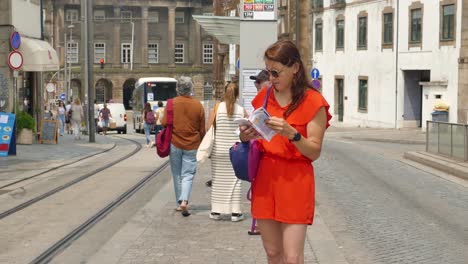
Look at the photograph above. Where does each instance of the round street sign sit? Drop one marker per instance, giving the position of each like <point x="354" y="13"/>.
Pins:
<point x="315" y="73"/>
<point x="15" y="40"/>
<point x="50" y="87"/>
<point x="62" y="97"/>
<point x="15" y="60"/>
<point x="316" y="84"/>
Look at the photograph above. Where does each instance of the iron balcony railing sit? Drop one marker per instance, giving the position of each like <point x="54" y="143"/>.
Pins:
<point x="447" y="139"/>
<point x="317" y="4"/>
<point x="337" y="3"/>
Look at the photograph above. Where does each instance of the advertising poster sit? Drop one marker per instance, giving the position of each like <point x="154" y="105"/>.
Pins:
<point x="7" y="137"/>
<point x="258" y="10"/>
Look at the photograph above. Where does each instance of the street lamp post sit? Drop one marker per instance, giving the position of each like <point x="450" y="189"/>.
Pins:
<point x="133" y="36"/>
<point x="71" y="26"/>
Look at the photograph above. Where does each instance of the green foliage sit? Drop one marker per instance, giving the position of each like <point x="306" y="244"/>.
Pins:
<point x="25" y="120"/>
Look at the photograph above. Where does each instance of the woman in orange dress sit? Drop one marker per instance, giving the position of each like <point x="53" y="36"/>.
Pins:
<point x="283" y="191"/>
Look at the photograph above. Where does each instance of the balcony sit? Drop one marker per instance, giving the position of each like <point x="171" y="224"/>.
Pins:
<point x="317" y="5"/>
<point x="337" y="4"/>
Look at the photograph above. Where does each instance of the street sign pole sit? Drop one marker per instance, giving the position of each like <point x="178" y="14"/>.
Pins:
<point x="90" y="64"/>
<point x="15" y="91"/>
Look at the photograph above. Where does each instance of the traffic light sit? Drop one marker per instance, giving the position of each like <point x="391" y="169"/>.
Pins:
<point x="101" y="61"/>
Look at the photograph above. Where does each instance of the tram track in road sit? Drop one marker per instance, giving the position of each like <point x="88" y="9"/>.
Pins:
<point x="67" y="240"/>
<point x="62" y="187"/>
<point x="55" y="168"/>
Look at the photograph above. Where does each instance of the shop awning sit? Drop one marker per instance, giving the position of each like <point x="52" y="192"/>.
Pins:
<point x="225" y="29"/>
<point x="38" y="56"/>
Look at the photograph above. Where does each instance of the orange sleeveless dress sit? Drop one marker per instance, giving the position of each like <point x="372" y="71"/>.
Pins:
<point x="284" y="188"/>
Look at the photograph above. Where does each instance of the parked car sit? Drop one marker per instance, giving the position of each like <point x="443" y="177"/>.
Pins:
<point x="118" y="121"/>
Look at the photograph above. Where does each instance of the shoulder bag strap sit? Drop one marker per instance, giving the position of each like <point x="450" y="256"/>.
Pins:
<point x="170" y="113"/>
<point x="265" y="100"/>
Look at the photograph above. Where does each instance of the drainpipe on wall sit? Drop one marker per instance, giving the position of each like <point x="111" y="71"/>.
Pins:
<point x="396" y="60"/>
<point x="42" y="20"/>
<point x="297" y="23"/>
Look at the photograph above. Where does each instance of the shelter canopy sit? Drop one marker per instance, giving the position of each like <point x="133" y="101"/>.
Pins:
<point x="225" y="29"/>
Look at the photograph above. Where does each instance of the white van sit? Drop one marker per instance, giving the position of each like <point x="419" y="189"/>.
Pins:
<point x="119" y="116"/>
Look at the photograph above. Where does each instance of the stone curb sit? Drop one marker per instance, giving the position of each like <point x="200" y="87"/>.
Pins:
<point x="453" y="167"/>
<point x="387" y="140"/>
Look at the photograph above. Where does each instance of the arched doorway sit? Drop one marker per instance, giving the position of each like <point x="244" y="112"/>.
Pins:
<point x="75" y="89"/>
<point x="128" y="87"/>
<point x="103" y="91"/>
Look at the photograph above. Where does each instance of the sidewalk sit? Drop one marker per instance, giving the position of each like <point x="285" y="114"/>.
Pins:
<point x="35" y="158"/>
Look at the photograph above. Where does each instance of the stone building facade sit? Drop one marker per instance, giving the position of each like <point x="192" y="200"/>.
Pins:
<point x="134" y="39"/>
<point x="388" y="63"/>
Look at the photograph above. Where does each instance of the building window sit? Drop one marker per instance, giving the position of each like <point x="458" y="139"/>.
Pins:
<point x="448" y="22"/>
<point x="207" y="91"/>
<point x="363" y="95"/>
<point x="71" y="15"/>
<point x="126" y="16"/>
<point x="362" y="39"/>
<point x="179" y="53"/>
<point x="153" y="53"/>
<point x="72" y="52"/>
<point x="153" y="17"/>
<point x="99" y="52"/>
<point x="317" y="4"/>
<point x="339" y="34"/>
<point x="388" y="29"/>
<point x="100" y="97"/>
<point x="318" y="36"/>
<point x="126" y="53"/>
<point x="416" y="25"/>
<point x="208" y="53"/>
<point x="99" y="15"/>
<point x="179" y="17"/>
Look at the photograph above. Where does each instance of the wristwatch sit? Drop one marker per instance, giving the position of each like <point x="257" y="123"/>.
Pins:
<point x="296" y="137"/>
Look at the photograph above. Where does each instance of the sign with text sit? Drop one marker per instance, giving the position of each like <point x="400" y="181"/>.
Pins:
<point x="249" y="91"/>
<point x="7" y="134"/>
<point x="258" y="10"/>
<point x="48" y="131"/>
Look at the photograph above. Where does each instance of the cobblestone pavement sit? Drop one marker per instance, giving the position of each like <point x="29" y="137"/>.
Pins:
<point x="170" y="238"/>
<point x="383" y="211"/>
<point x="379" y="210"/>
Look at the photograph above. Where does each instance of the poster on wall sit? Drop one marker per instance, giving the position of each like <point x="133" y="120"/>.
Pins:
<point x="258" y="10"/>
<point x="249" y="91"/>
<point x="7" y="134"/>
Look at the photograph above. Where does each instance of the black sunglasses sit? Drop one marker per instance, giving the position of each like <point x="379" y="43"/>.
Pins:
<point x="274" y="73"/>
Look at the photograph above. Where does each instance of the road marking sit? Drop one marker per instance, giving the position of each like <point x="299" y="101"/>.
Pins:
<point x="341" y="141"/>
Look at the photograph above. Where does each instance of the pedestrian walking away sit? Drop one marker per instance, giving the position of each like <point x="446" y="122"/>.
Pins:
<point x="61" y="111"/>
<point x="76" y="117"/>
<point x="159" y="116"/>
<point x="68" y="115"/>
<point x="299" y="116"/>
<point x="149" y="122"/>
<point x="226" y="191"/>
<point x="187" y="131"/>
<point x="96" y="115"/>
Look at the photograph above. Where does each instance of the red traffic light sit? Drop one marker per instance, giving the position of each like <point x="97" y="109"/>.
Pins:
<point x="101" y="61"/>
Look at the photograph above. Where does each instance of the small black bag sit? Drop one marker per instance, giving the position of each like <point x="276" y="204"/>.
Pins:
<point x="68" y="116"/>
